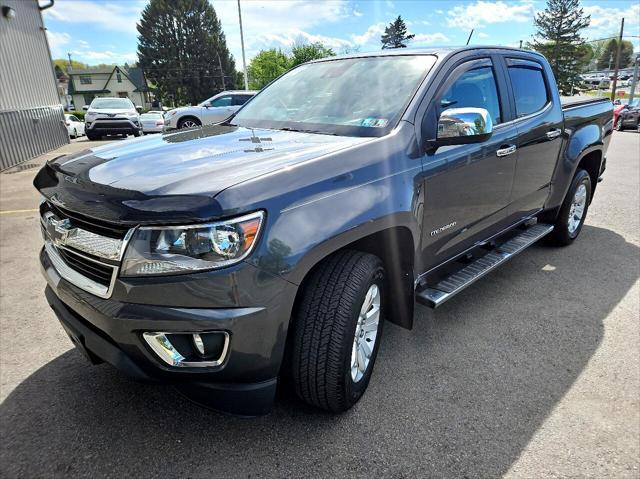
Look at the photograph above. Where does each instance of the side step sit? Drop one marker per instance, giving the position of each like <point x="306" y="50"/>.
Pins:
<point x="433" y="296"/>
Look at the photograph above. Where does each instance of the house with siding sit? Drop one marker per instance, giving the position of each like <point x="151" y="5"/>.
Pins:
<point x="124" y="82"/>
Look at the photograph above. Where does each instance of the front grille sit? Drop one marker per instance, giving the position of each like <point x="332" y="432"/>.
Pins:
<point x="95" y="271"/>
<point x="105" y="228"/>
<point x="112" y="125"/>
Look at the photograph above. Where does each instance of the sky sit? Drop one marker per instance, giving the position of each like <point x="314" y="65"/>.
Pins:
<point x="104" y="31"/>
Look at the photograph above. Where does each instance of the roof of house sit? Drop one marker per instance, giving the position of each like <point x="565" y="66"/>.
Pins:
<point x="134" y="74"/>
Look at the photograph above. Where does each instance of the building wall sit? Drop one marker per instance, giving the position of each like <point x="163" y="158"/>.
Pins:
<point x="31" y="116"/>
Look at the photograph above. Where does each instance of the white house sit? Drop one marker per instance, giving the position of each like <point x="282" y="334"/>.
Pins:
<point x="124" y="82"/>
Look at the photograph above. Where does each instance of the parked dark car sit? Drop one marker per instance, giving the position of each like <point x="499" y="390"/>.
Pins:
<point x="628" y="116"/>
<point x="276" y="243"/>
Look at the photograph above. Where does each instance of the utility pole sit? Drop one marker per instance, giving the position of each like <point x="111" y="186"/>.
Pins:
<point x="615" y="73"/>
<point x="521" y="44"/>
<point x="70" y="65"/>
<point x="244" y="61"/>
<point x="634" y="80"/>
<point x="468" y="39"/>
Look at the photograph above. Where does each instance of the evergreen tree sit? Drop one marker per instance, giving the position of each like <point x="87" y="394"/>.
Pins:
<point x="607" y="60"/>
<point x="395" y="35"/>
<point x="558" y="38"/>
<point x="183" y="51"/>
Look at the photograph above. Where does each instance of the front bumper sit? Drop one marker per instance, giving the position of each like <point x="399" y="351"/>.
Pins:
<point x="116" y="126"/>
<point x="253" y="307"/>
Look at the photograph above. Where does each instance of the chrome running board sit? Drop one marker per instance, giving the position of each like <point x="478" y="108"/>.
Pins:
<point x="434" y="295"/>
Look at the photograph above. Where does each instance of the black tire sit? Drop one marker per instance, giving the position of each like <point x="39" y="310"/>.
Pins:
<point x="618" y="125"/>
<point x="92" y="137"/>
<point x="183" y="122"/>
<point x="136" y="133"/>
<point x="75" y="134"/>
<point x="562" y="235"/>
<point x="325" y="324"/>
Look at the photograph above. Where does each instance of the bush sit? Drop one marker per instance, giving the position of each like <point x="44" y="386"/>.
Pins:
<point x="78" y="114"/>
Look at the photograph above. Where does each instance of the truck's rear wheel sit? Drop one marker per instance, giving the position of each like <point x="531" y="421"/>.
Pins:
<point x="337" y="327"/>
<point x="574" y="209"/>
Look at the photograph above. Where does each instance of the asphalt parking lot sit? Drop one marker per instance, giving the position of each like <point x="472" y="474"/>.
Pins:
<point x="531" y="372"/>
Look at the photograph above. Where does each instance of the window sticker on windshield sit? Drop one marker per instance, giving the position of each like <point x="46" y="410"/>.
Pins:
<point x="375" y="122"/>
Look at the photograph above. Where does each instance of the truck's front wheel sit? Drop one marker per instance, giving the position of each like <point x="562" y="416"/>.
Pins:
<point x="337" y="326"/>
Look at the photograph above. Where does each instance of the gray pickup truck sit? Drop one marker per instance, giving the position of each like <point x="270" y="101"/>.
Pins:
<point x="274" y="245"/>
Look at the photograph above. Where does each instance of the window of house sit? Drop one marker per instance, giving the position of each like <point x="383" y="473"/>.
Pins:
<point x="119" y="77"/>
<point x="85" y="80"/>
<point x="123" y="94"/>
<point x="529" y="89"/>
<point x="475" y="88"/>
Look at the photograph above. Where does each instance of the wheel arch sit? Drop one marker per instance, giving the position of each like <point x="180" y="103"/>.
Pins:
<point x="188" y="116"/>
<point x="395" y="246"/>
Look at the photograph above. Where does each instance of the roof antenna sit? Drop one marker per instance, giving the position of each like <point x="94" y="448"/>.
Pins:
<point x="469" y="39"/>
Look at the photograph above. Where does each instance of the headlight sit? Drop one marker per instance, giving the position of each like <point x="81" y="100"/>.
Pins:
<point x="170" y="113"/>
<point x="185" y="249"/>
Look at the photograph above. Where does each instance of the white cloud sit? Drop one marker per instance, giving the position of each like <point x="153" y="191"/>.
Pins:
<point x="105" y="56"/>
<point x="483" y="35"/>
<point x="428" y="39"/>
<point x="118" y="16"/>
<point x="481" y="13"/>
<point x="57" y="40"/>
<point x="607" y="20"/>
<point x="273" y="17"/>
<point x="373" y="32"/>
<point x="292" y="37"/>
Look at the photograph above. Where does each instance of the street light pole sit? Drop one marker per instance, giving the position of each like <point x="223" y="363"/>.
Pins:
<point x="615" y="74"/>
<point x="244" y="61"/>
<point x="634" y="81"/>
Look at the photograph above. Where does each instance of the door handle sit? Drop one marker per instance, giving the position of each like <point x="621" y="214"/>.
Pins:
<point x="506" y="151"/>
<point x="553" y="134"/>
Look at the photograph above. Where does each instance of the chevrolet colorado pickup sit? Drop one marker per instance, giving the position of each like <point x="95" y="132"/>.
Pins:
<point x="275" y="244"/>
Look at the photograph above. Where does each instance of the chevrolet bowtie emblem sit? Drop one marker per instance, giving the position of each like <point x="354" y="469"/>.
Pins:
<point x="57" y="230"/>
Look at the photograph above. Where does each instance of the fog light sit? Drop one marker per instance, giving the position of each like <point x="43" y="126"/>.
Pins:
<point x="189" y="350"/>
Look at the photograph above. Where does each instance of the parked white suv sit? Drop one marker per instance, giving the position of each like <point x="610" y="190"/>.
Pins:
<point x="213" y="110"/>
<point x="111" y="116"/>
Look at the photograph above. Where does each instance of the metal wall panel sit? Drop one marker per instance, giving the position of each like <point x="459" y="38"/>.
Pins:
<point x="25" y="134"/>
<point x="31" y="117"/>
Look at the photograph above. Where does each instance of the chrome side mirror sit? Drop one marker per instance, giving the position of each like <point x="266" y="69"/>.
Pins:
<point x="459" y="126"/>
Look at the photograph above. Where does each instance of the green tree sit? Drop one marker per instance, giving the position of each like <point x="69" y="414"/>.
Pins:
<point x="63" y="64"/>
<point x="267" y="65"/>
<point x="396" y="35"/>
<point x="607" y="58"/>
<point x="305" y="52"/>
<point x="183" y="50"/>
<point x="558" y="38"/>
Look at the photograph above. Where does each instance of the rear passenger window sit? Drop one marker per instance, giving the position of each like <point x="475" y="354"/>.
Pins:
<point x="240" y="99"/>
<point x="529" y="89"/>
<point x="474" y="88"/>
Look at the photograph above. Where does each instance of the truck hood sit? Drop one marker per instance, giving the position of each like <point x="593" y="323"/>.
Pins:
<point x="175" y="176"/>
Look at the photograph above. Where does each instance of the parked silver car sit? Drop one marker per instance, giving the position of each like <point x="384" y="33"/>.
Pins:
<point x="152" y="122"/>
<point x="213" y="110"/>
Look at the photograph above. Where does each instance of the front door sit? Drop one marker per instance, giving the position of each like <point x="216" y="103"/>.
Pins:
<point x="466" y="188"/>
<point x="219" y="109"/>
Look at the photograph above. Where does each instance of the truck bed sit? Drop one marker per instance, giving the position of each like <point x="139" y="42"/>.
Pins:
<point x="578" y="100"/>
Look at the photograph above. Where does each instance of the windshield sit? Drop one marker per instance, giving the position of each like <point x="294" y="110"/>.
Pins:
<point x="104" y="103"/>
<point x="353" y="96"/>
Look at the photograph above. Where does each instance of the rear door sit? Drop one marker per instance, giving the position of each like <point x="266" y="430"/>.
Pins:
<point x="466" y="188"/>
<point x="539" y="121"/>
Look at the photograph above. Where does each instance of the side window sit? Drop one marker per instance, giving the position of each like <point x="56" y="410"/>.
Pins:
<point x="529" y="89"/>
<point x="73" y="118"/>
<point x="240" y="99"/>
<point x="222" y="101"/>
<point x="475" y="88"/>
